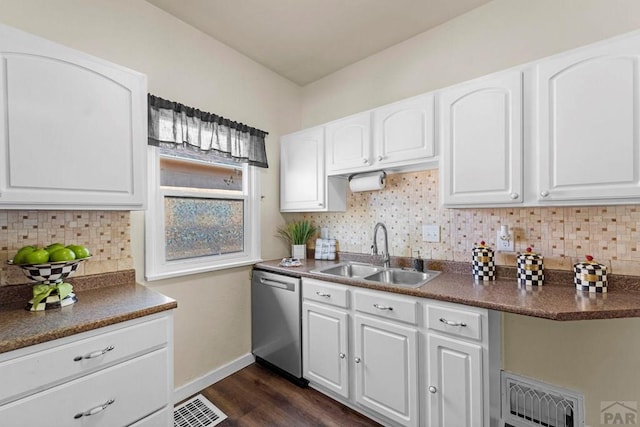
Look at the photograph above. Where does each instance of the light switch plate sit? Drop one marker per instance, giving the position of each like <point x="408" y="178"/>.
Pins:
<point x="430" y="233"/>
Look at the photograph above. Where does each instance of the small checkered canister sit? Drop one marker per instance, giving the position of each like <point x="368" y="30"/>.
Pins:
<point x="590" y="276"/>
<point x="530" y="268"/>
<point x="483" y="264"/>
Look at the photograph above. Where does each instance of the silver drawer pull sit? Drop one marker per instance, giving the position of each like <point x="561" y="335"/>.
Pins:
<point x="383" y="307"/>
<point x="95" y="410"/>
<point x="451" y="322"/>
<point x="322" y="294"/>
<point x="93" y="354"/>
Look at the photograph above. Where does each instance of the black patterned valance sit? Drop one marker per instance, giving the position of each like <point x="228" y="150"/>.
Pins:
<point x="172" y="124"/>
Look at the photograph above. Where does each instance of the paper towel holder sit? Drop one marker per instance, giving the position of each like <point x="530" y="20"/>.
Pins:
<point x="383" y="175"/>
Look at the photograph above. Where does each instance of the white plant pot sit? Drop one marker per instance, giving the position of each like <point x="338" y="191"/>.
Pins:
<point x="299" y="251"/>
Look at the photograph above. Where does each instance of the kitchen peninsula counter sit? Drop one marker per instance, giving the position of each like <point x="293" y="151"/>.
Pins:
<point x="103" y="299"/>
<point x="556" y="301"/>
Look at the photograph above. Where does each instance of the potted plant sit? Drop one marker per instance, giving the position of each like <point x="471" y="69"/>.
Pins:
<point x="297" y="233"/>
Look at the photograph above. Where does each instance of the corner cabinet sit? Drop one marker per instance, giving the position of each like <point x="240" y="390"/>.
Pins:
<point x="481" y="131"/>
<point x="304" y="185"/>
<point x="73" y="128"/>
<point x="402" y="360"/>
<point x="113" y="376"/>
<point x="589" y="116"/>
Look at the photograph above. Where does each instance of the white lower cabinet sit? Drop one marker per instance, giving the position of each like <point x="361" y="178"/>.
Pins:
<point x="113" y="376"/>
<point x="454" y="375"/>
<point x="386" y="369"/>
<point x="402" y="360"/>
<point x="326" y="347"/>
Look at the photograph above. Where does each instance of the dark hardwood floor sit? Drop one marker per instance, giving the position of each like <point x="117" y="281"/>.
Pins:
<point x="255" y="396"/>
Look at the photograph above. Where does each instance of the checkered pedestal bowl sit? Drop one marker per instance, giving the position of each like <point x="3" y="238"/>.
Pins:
<point x="51" y="273"/>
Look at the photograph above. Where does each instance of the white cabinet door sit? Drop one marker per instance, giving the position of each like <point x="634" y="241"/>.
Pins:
<point x="481" y="131"/>
<point x="304" y="186"/>
<point x="454" y="382"/>
<point x="325" y="347"/>
<point x="589" y="116"/>
<point x="73" y="128"/>
<point x="386" y="363"/>
<point x="349" y="144"/>
<point x="404" y="132"/>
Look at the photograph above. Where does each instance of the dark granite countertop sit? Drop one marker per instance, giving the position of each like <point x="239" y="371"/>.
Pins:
<point x="557" y="299"/>
<point x="103" y="299"/>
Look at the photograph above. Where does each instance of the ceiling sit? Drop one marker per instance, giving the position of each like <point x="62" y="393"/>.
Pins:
<point x="305" y="40"/>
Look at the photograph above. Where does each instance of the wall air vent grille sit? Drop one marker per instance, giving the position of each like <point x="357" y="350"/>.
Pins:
<point x="530" y="403"/>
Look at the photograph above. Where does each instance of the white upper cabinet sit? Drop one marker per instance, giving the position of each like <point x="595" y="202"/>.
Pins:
<point x="405" y="131"/>
<point x="73" y="128"/>
<point x="481" y="132"/>
<point x="304" y="185"/>
<point x="349" y="144"/>
<point x="398" y="136"/>
<point x="588" y="122"/>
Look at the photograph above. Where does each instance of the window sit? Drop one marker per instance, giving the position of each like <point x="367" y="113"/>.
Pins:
<point x="202" y="216"/>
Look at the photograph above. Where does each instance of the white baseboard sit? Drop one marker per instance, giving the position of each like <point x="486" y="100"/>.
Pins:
<point x="197" y="385"/>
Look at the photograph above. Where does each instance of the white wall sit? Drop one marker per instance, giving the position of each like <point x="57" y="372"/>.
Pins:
<point x="598" y="358"/>
<point x="212" y="322"/>
<point x="498" y="35"/>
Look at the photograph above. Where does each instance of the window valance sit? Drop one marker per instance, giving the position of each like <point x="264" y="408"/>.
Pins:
<point x="172" y="124"/>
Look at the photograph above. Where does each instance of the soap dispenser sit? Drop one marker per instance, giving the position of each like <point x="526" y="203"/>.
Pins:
<point x="418" y="263"/>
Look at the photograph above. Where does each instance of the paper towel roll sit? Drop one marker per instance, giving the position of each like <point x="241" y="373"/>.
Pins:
<point x="367" y="183"/>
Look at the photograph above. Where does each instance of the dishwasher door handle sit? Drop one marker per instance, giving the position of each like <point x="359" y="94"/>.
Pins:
<point x="277" y="284"/>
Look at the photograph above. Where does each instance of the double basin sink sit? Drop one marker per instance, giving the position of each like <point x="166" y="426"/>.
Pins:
<point x="374" y="273"/>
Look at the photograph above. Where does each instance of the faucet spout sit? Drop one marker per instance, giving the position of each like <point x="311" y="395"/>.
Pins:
<point x="386" y="260"/>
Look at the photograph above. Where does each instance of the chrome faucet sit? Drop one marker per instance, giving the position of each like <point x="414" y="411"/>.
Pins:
<point x="386" y="260"/>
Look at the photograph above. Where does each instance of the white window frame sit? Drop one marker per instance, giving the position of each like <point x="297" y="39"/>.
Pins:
<point x="156" y="265"/>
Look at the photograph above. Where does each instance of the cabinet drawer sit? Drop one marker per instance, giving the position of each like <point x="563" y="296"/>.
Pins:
<point x="62" y="363"/>
<point x="387" y="306"/>
<point x="461" y="322"/>
<point x="327" y="293"/>
<point x="137" y="387"/>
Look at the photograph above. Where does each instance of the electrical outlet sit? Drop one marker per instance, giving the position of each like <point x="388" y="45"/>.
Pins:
<point x="505" y="245"/>
<point x="430" y="233"/>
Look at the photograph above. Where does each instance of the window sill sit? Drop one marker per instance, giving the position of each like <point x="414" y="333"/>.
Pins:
<point x="198" y="270"/>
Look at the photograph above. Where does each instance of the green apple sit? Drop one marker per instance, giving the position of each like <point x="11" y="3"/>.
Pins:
<point x="39" y="256"/>
<point x="19" y="257"/>
<point x="62" y="254"/>
<point x="80" y="251"/>
<point x="53" y="247"/>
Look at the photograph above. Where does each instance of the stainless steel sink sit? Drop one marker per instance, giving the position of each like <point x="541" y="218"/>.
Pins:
<point x="350" y="269"/>
<point x="378" y="274"/>
<point x="402" y="277"/>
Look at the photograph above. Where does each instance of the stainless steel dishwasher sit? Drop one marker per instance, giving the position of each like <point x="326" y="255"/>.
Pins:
<point x="276" y="331"/>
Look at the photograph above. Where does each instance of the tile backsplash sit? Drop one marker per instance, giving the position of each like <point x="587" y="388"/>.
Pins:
<point x="105" y="233"/>
<point x="563" y="235"/>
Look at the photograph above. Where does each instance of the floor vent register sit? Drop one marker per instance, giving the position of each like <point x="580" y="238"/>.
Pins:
<point x="197" y="412"/>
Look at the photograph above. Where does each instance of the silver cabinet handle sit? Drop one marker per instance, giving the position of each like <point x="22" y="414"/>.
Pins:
<point x="451" y="322"/>
<point x="95" y="410"/>
<point x="93" y="354"/>
<point x="432" y="389"/>
<point x="514" y="195"/>
<point x="365" y="161"/>
<point x="544" y="193"/>
<point x="380" y="158"/>
<point x="383" y="307"/>
<point x="322" y="294"/>
<point x="357" y="360"/>
<point x="342" y="355"/>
